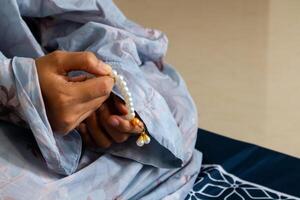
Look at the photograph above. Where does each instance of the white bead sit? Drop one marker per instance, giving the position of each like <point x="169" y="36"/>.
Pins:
<point x="128" y="95"/>
<point x="131" y="110"/>
<point x="128" y="99"/>
<point x="130" y="116"/>
<point x="114" y="73"/>
<point x="140" y="141"/>
<point x="121" y="78"/>
<point x="125" y="89"/>
<point x="147" y="139"/>
<point x="130" y="104"/>
<point x="122" y="86"/>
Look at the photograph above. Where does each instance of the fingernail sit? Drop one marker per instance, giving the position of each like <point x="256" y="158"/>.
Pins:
<point x="114" y="122"/>
<point x="106" y="68"/>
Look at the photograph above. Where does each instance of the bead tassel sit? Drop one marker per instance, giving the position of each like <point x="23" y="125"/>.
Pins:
<point x="122" y="86"/>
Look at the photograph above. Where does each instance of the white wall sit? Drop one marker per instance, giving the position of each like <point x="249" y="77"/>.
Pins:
<point x="240" y="59"/>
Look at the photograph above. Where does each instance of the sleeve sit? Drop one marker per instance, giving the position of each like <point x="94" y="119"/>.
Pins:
<point x="127" y="47"/>
<point x="21" y="103"/>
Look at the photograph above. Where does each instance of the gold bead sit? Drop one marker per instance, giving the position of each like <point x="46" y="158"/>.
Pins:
<point x="135" y="121"/>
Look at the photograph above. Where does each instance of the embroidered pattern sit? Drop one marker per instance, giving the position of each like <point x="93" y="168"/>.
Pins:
<point x="214" y="182"/>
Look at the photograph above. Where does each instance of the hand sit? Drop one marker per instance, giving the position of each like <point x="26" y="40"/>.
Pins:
<point x="108" y="125"/>
<point x="69" y="101"/>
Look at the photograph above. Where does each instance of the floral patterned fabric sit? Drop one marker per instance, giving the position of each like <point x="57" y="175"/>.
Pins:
<point x="38" y="164"/>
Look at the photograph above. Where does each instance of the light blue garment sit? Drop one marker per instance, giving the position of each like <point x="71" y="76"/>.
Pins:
<point x="166" y="168"/>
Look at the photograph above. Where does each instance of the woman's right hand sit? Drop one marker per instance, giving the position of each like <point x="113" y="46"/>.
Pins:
<point x="108" y="125"/>
<point x="69" y="102"/>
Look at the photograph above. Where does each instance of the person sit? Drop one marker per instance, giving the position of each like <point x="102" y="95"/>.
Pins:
<point x="55" y="64"/>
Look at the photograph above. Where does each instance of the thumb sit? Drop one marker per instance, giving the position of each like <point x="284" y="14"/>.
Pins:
<point x="84" y="61"/>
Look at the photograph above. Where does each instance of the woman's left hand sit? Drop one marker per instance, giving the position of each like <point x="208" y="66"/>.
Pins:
<point x="68" y="101"/>
<point x="107" y="125"/>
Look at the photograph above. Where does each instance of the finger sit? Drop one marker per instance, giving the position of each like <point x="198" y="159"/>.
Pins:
<point x="104" y="113"/>
<point x="118" y="137"/>
<point x="84" y="110"/>
<point x="120" y="105"/>
<point x="85" y="61"/>
<point x="91" y="89"/>
<point x="85" y="135"/>
<point x="122" y="125"/>
<point x="99" y="137"/>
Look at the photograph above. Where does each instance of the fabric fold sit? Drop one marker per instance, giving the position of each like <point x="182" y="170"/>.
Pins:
<point x="60" y="153"/>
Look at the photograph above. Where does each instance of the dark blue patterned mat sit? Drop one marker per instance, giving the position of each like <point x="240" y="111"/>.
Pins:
<point x="234" y="170"/>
